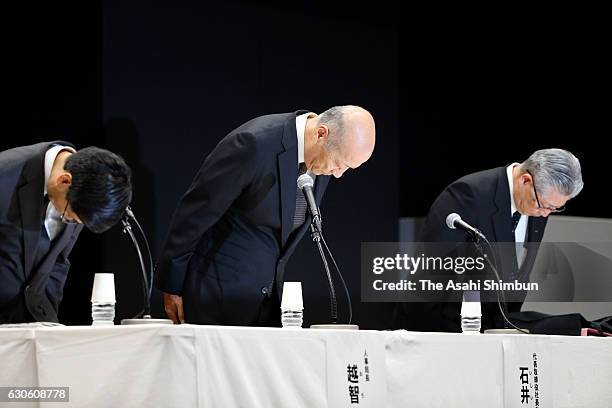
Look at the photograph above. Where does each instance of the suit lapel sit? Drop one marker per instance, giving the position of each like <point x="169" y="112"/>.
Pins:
<point x="59" y="243"/>
<point x="287" y="167"/>
<point x="39" y="279"/>
<point x="535" y="229"/>
<point x="500" y="218"/>
<point x="30" y="205"/>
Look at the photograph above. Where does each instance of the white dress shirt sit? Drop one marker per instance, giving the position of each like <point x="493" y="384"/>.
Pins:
<point x="53" y="221"/>
<point x="521" y="228"/>
<point x="300" y="126"/>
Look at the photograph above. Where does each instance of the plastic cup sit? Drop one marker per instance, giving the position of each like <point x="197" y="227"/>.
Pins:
<point x="103" y="288"/>
<point x="292" y="296"/>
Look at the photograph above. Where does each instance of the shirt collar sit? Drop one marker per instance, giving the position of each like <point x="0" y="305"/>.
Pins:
<point x="511" y="185"/>
<point x="300" y="126"/>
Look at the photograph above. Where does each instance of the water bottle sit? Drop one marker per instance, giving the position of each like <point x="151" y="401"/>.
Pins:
<point x="103" y="299"/>
<point x="470" y="313"/>
<point x="292" y="318"/>
<point x="292" y="306"/>
<point x="102" y="313"/>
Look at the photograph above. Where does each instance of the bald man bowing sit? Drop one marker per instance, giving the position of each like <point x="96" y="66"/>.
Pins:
<point x="235" y="228"/>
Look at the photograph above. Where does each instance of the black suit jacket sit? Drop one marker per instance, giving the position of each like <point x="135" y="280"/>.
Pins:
<point x="483" y="201"/>
<point x="29" y="292"/>
<point x="230" y="236"/>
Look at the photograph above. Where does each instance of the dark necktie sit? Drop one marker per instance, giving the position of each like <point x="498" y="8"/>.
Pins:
<point x="515" y="271"/>
<point x="43" y="242"/>
<point x="515" y="220"/>
<point x="300" y="203"/>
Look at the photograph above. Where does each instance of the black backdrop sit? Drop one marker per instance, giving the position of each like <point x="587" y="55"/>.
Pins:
<point x="161" y="85"/>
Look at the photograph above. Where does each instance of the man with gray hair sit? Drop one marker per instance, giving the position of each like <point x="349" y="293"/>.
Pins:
<point x="235" y="228"/>
<point x="507" y="204"/>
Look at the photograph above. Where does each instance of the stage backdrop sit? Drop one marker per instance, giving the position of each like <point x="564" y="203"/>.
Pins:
<point x="162" y="85"/>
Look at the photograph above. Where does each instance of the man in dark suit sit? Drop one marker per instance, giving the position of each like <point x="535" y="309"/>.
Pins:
<point x="48" y="191"/>
<point x="233" y="231"/>
<point x="508" y="205"/>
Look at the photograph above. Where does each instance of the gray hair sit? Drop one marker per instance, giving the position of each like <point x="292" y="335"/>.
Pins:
<point x="555" y="169"/>
<point x="334" y="119"/>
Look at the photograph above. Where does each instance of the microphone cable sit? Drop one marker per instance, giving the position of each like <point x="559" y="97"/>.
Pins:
<point x="501" y="298"/>
<point x="316" y="233"/>
<point x="317" y="237"/>
<point x="147" y="281"/>
<point x="346" y="291"/>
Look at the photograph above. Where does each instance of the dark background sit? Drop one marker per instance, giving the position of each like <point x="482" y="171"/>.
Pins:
<point x="161" y="85"/>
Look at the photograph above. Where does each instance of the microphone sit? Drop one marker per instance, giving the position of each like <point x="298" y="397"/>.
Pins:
<point x="144" y="316"/>
<point x="454" y="221"/>
<point x="306" y="183"/>
<point x="129" y="212"/>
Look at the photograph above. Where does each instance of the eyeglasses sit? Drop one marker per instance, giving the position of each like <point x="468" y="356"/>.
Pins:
<point x="63" y="216"/>
<point x="551" y="209"/>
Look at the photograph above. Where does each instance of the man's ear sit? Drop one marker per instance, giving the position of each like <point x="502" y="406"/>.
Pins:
<point x="64" y="179"/>
<point x="525" y="178"/>
<point x="322" y="132"/>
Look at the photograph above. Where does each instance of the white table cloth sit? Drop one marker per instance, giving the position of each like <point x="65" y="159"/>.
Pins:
<point x="216" y="366"/>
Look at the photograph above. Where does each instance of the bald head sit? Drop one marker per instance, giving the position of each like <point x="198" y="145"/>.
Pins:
<point x="360" y="133"/>
<point x="344" y="138"/>
<point x="351" y="128"/>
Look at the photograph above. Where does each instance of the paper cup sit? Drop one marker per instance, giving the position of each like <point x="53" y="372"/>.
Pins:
<point x="103" y="288"/>
<point x="292" y="296"/>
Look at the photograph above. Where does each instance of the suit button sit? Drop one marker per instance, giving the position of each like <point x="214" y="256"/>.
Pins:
<point x="264" y="291"/>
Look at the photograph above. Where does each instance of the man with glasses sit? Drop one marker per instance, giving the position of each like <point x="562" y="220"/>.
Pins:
<point x="507" y="204"/>
<point x="48" y="192"/>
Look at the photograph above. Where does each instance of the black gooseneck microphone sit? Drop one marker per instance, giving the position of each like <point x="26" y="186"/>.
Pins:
<point x="306" y="184"/>
<point x="454" y="221"/>
<point x="147" y="277"/>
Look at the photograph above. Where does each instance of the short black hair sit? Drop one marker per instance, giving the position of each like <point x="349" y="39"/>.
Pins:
<point x="101" y="187"/>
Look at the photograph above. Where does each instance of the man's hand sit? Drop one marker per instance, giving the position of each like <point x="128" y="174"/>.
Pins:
<point x="173" y="304"/>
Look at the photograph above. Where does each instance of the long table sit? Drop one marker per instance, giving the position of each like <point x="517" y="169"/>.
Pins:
<point x="220" y="366"/>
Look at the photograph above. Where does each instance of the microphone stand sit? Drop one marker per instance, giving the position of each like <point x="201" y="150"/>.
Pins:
<point x="501" y="298"/>
<point x="316" y="233"/>
<point x="306" y="183"/>
<point x="144" y="316"/>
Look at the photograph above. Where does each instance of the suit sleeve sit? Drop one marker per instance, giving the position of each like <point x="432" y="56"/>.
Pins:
<point x="221" y="179"/>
